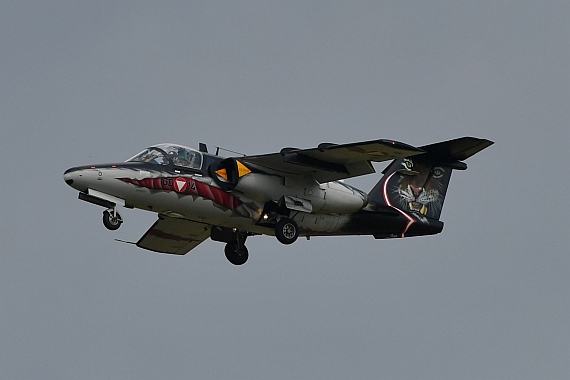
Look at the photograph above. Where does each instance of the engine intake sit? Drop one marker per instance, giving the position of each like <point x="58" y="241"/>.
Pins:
<point x="227" y="173"/>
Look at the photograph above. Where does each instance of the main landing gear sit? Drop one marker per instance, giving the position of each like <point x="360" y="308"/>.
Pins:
<point x="236" y="253"/>
<point x="286" y="231"/>
<point x="112" y="219"/>
<point x="235" y="250"/>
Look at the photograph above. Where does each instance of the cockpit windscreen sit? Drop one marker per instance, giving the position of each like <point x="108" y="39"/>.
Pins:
<point x="165" y="154"/>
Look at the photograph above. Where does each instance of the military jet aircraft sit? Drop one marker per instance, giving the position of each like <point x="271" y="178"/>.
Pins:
<point x="292" y="193"/>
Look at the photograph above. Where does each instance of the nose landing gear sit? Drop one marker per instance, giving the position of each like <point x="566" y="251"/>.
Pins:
<point x="112" y="219"/>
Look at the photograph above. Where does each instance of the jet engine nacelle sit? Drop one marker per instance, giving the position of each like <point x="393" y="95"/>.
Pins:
<point x="332" y="197"/>
<point x="342" y="199"/>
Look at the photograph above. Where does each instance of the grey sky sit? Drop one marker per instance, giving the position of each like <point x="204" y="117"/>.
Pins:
<point x="88" y="82"/>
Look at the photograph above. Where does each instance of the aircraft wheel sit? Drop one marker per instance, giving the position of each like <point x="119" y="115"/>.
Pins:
<point x="112" y="222"/>
<point x="235" y="254"/>
<point x="286" y="231"/>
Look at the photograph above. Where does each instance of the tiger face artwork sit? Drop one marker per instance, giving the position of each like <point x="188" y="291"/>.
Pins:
<point x="420" y="187"/>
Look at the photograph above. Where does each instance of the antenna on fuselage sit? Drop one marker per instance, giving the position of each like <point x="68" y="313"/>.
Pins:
<point x="203" y="148"/>
<point x="227" y="150"/>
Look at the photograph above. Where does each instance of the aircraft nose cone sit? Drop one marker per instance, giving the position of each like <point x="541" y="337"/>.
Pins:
<point x="74" y="178"/>
<point x="68" y="177"/>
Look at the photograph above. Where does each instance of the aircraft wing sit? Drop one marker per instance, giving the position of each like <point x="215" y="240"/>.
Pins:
<point x="173" y="235"/>
<point x="330" y="162"/>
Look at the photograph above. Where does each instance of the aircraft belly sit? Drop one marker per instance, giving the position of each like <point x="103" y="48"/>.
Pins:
<point x="317" y="222"/>
<point x="378" y="224"/>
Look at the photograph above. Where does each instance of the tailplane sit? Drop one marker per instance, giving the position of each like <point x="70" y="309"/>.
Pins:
<point x="418" y="184"/>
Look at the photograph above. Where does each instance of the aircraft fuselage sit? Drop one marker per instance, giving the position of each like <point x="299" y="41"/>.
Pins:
<point x="296" y="192"/>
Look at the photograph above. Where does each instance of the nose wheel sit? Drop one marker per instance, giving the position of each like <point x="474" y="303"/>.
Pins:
<point x="112" y="219"/>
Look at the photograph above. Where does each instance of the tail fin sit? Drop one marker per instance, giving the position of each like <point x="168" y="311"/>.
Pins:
<point x="419" y="184"/>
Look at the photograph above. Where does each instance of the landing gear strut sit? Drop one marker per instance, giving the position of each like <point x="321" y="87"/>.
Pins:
<point x="112" y="219"/>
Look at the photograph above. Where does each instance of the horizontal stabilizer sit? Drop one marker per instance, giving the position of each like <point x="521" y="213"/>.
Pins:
<point x="458" y="149"/>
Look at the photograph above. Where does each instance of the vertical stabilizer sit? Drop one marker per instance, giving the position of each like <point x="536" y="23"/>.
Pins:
<point x="418" y="185"/>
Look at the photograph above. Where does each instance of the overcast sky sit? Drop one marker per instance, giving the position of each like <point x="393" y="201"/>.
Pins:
<point x="92" y="82"/>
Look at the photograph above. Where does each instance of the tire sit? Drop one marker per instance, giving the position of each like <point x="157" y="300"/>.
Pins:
<point x="111" y="222"/>
<point x="286" y="231"/>
<point x="235" y="254"/>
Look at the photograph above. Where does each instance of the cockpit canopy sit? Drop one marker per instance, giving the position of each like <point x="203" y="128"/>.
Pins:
<point x="170" y="154"/>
